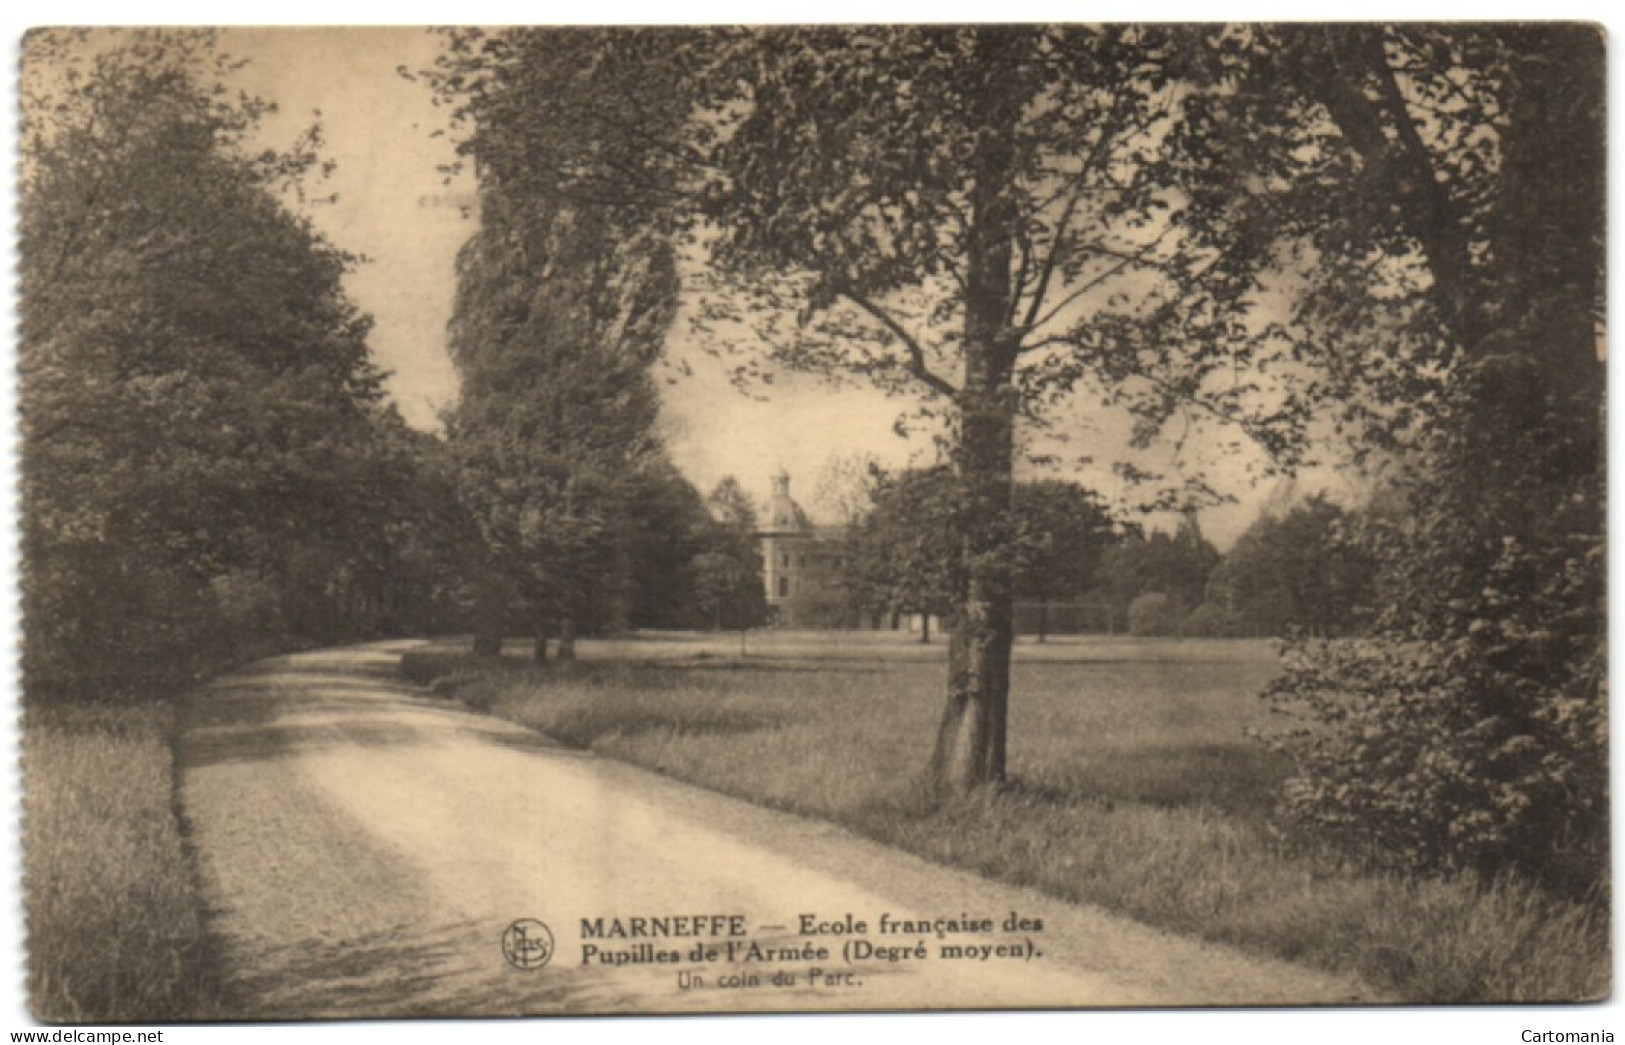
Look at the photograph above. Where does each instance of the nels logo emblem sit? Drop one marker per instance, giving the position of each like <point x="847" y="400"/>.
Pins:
<point x="527" y="944"/>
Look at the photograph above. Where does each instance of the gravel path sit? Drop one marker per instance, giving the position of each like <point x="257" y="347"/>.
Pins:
<point x="363" y="848"/>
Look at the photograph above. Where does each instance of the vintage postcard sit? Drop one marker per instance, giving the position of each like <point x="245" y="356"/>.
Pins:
<point x="556" y="521"/>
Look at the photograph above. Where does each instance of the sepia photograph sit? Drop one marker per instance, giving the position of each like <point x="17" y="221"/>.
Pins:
<point x="864" y="518"/>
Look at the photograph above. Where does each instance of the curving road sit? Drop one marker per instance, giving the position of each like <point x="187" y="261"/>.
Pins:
<point x="363" y="847"/>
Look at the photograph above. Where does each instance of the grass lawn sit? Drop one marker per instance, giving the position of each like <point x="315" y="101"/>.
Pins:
<point x="1133" y="786"/>
<point x="115" y="925"/>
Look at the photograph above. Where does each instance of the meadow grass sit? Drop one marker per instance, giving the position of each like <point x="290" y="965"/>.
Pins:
<point x="1133" y="785"/>
<point x="115" y="922"/>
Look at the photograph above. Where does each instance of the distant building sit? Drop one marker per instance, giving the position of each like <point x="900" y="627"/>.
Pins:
<point x="802" y="565"/>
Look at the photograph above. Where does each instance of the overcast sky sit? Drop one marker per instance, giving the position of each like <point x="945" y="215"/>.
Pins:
<point x="396" y="207"/>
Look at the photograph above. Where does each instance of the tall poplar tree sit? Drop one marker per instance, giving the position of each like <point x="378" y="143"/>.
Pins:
<point x="558" y="319"/>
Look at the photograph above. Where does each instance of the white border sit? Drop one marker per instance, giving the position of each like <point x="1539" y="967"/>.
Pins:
<point x="1324" y="1027"/>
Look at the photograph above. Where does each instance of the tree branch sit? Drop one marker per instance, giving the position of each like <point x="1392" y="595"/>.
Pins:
<point x="1187" y="397"/>
<point x="916" y="365"/>
<point x="1108" y="133"/>
<point x="1401" y="167"/>
<point x="1023" y="273"/>
<point x="1125" y="260"/>
<point x="1048" y="271"/>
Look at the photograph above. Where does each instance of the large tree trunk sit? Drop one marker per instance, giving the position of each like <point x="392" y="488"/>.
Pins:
<point x="621" y="580"/>
<point x="971" y="740"/>
<point x="567" y="639"/>
<point x="490" y="617"/>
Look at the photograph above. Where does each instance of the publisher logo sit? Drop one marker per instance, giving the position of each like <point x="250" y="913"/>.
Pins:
<point x="527" y="944"/>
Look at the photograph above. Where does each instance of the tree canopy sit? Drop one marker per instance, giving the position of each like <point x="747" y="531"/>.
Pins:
<point x="557" y="322"/>
<point x="1447" y="180"/>
<point x="203" y="452"/>
<point x="1243" y="224"/>
<point x="900" y="550"/>
<point x="1175" y="565"/>
<point x="728" y="588"/>
<point x="1305" y="568"/>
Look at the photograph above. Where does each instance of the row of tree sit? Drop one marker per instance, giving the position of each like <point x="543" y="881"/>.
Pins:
<point x="210" y="469"/>
<point x="208" y="464"/>
<point x="1255" y="226"/>
<point x="1302" y="569"/>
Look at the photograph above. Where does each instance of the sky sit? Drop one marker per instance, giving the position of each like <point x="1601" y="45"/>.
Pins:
<point x="394" y="204"/>
<point x="397" y="206"/>
<point x="409" y="218"/>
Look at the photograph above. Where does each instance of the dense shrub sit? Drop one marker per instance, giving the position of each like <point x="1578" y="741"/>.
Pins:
<point x="1210" y="620"/>
<point x="1482" y="750"/>
<point x="1469" y="732"/>
<point x="1155" y="614"/>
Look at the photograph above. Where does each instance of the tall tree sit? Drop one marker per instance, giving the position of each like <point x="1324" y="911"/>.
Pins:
<point x="1063" y="534"/>
<point x="900" y="553"/>
<point x="199" y="413"/>
<point x="1305" y="569"/>
<point x="728" y="585"/>
<point x="731" y="507"/>
<point x="976" y="215"/>
<point x="558" y="319"/>
<point x="1447" y="182"/>
<point x="1176" y="565"/>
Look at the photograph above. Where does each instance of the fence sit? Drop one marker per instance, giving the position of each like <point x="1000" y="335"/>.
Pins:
<point x="1067" y="618"/>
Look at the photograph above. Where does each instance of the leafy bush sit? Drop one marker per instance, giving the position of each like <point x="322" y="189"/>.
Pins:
<point x="426" y="666"/>
<point x="1482" y="750"/>
<point x="1210" y="620"/>
<point x="1155" y="614"/>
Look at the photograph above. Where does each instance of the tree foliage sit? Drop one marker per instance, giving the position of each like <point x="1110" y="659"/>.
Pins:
<point x="1449" y="180"/>
<point x="728" y="589"/>
<point x="557" y="322"/>
<point x="1238" y="223"/>
<point x="1063" y="534"/>
<point x="1306" y="569"/>
<point x="1175" y="565"/>
<point x="900" y="551"/>
<point x="203" y="462"/>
